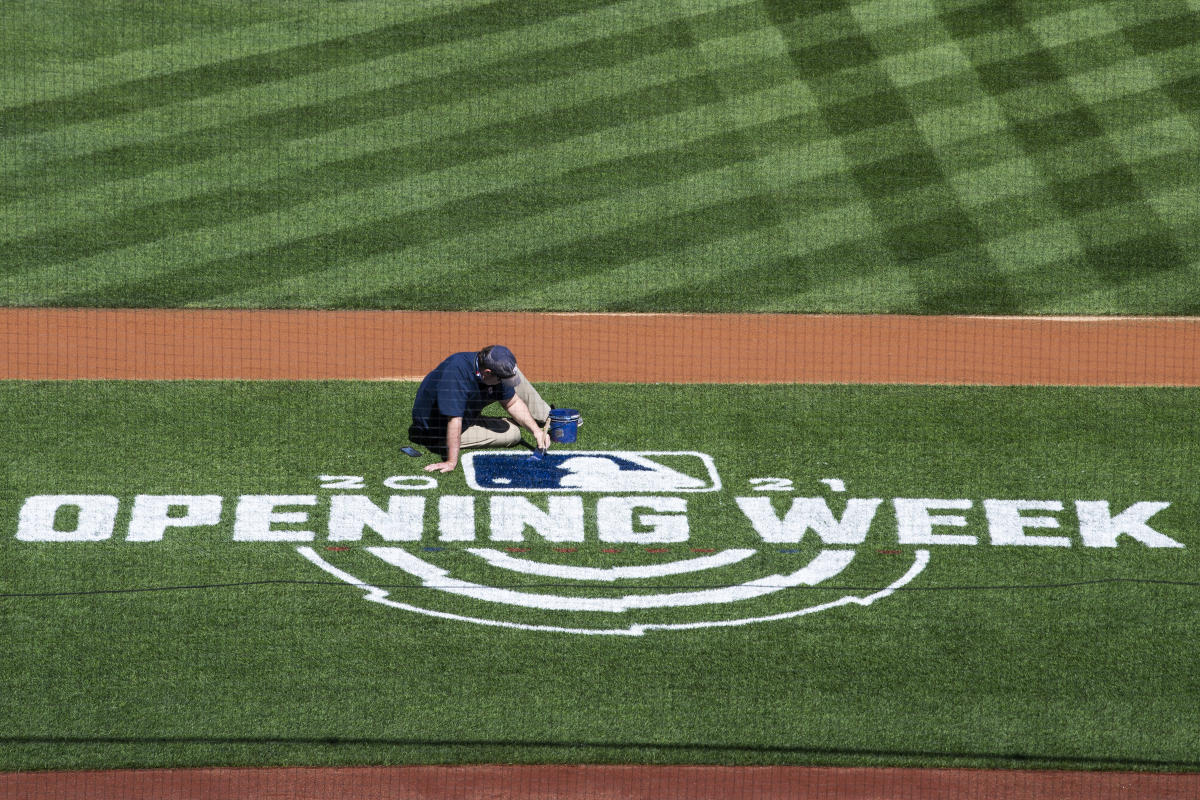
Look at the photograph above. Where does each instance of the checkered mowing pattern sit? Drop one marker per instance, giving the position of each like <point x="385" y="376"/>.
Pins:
<point x="928" y="156"/>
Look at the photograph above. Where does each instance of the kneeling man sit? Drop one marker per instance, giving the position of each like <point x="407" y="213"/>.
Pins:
<point x="447" y="412"/>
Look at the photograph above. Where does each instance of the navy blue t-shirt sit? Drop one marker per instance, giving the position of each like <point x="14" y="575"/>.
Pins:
<point x="454" y="389"/>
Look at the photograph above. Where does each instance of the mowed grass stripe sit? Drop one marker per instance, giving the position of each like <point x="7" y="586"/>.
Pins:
<point x="1015" y="187"/>
<point x="1089" y="156"/>
<point x="514" y="208"/>
<point x="1178" y="86"/>
<point x="1152" y="294"/>
<point x="169" y="253"/>
<point x="337" y="81"/>
<point x="934" y="77"/>
<point x="360" y="115"/>
<point x="429" y="274"/>
<point x="1120" y="243"/>
<point x="976" y="135"/>
<point x="782" y="270"/>
<point x="385" y="139"/>
<point x="301" y="290"/>
<point x="407" y="260"/>
<point x="687" y="272"/>
<point x="235" y="206"/>
<point x="1012" y="197"/>
<point x="245" y="169"/>
<point x="984" y="147"/>
<point x="922" y="201"/>
<point x="937" y="249"/>
<point x="182" y="148"/>
<point x="607" y="238"/>
<point x="312" y="22"/>
<point x="1030" y="239"/>
<point x="997" y="193"/>
<point x="225" y="108"/>
<point x="286" y="63"/>
<point x="1066" y="177"/>
<point x="1149" y="246"/>
<point x="976" y="268"/>
<point x="410" y="256"/>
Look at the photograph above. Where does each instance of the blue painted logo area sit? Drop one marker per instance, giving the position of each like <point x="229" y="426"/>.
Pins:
<point x="612" y="471"/>
<point x="547" y="472"/>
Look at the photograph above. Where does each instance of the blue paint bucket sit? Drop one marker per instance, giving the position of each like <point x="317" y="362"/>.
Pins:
<point x="564" y="424"/>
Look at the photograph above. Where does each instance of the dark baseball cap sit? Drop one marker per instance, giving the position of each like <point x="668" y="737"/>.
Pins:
<point x="501" y="361"/>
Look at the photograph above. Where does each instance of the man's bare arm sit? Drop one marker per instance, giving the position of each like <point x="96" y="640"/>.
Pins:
<point x="453" y="445"/>
<point x="520" y="412"/>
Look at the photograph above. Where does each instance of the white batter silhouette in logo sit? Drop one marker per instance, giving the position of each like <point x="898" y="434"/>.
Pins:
<point x="610" y="471"/>
<point x="599" y="474"/>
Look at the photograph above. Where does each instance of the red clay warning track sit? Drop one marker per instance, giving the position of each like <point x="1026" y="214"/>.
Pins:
<point x="625" y="348"/>
<point x="625" y="782"/>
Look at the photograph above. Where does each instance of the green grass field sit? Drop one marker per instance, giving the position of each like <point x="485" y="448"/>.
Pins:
<point x="199" y="649"/>
<point x="930" y="156"/>
<point x="915" y="156"/>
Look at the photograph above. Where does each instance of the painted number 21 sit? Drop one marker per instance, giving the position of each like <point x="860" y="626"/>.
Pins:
<point x="786" y="485"/>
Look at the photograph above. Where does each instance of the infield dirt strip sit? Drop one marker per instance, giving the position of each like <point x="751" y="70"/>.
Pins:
<point x="605" y="348"/>
<point x="599" y="783"/>
<point x="48" y="344"/>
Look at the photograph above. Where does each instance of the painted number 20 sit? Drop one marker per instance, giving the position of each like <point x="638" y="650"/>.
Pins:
<point x="404" y="482"/>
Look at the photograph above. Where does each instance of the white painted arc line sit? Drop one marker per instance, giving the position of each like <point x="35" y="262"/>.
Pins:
<point x="827" y="564"/>
<point x="342" y="575"/>
<point x="502" y="560"/>
<point x="376" y="595"/>
<point x="920" y="561"/>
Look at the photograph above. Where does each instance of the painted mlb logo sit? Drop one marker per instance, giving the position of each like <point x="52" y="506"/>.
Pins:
<point x="592" y="471"/>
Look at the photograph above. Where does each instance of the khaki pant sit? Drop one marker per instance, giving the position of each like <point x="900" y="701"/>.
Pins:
<point x="501" y="431"/>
